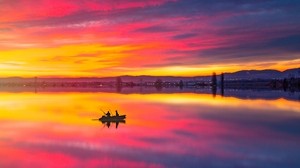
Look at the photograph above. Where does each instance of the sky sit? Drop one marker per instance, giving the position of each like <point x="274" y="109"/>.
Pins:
<point x="97" y="38"/>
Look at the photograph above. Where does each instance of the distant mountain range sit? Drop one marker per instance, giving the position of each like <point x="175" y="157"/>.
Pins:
<point x="239" y="75"/>
<point x="263" y="74"/>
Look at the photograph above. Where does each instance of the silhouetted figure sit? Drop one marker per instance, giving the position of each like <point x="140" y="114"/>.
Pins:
<point x="108" y="114"/>
<point x="117" y="114"/>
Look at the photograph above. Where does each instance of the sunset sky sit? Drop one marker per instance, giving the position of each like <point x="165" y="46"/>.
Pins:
<point x="96" y="38"/>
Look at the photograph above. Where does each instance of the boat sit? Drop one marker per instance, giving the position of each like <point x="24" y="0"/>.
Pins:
<point x="119" y="118"/>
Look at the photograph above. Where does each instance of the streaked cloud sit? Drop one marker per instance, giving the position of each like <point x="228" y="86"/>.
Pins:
<point x="164" y="33"/>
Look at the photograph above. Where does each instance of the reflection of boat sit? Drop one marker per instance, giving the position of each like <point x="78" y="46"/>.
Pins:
<point x="112" y="119"/>
<point x="120" y="118"/>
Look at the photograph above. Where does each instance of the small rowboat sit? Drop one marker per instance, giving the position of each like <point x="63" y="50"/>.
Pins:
<point x="112" y="118"/>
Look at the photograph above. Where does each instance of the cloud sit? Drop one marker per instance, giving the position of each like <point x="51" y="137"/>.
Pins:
<point x="177" y="32"/>
<point x="288" y="43"/>
<point x="5" y="29"/>
<point x="184" y="36"/>
<point x="155" y="29"/>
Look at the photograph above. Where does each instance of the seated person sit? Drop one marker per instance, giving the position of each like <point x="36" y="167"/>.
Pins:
<point x="108" y="114"/>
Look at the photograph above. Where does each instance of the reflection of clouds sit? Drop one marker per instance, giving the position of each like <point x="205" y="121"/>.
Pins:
<point x="145" y="157"/>
<point x="156" y="134"/>
<point x="275" y="120"/>
<point x="186" y="133"/>
<point x="79" y="145"/>
<point x="155" y="140"/>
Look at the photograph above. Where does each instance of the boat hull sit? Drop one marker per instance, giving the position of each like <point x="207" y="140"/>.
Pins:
<point x="113" y="118"/>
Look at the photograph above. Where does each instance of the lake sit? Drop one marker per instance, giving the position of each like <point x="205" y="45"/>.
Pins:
<point x="56" y="129"/>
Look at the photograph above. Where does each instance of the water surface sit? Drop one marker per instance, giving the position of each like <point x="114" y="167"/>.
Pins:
<point x="162" y="130"/>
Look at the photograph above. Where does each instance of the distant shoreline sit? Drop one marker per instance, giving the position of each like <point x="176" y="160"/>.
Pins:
<point x="239" y="75"/>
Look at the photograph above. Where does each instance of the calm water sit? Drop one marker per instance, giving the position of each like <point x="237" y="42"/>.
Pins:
<point x="161" y="130"/>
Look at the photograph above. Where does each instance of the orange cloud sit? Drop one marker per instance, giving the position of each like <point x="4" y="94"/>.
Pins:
<point x="161" y="37"/>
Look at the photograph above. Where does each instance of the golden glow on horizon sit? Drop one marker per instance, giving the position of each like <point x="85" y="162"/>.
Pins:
<point x="94" y="60"/>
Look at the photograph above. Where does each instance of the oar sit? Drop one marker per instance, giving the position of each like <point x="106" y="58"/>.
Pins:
<point x="103" y="111"/>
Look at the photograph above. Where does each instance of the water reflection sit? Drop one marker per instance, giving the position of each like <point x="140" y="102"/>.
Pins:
<point x="246" y="93"/>
<point x="163" y="130"/>
<point x="107" y="123"/>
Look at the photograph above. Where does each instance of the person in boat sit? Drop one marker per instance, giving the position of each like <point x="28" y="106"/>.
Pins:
<point x="117" y="114"/>
<point x="107" y="114"/>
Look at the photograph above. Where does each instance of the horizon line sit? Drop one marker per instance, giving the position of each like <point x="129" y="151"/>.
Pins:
<point x="187" y="76"/>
